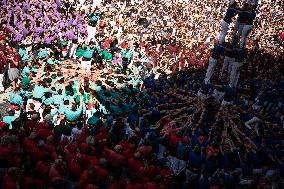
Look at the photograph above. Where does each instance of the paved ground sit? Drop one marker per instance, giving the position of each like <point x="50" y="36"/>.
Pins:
<point x="4" y="105"/>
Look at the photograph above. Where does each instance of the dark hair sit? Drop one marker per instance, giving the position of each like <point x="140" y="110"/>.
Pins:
<point x="66" y="102"/>
<point x="32" y="106"/>
<point x="234" y="4"/>
<point x="11" y="112"/>
<point x="49" y="80"/>
<point x="59" y="74"/>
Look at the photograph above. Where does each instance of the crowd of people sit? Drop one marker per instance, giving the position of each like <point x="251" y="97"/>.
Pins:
<point x="115" y="94"/>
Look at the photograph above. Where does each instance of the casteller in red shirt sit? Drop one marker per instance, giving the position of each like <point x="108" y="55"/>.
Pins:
<point x="134" y="186"/>
<point x="74" y="168"/>
<point x="42" y="169"/>
<point x="153" y="185"/>
<point x="128" y="153"/>
<point x="5" y="155"/>
<point x="29" y="144"/>
<point x="102" y="139"/>
<point x="3" y="64"/>
<point x="44" y="133"/>
<point x="166" y="175"/>
<point x="117" y="184"/>
<point x="174" y="139"/>
<point x="9" y="182"/>
<point x="134" y="165"/>
<point x="149" y="172"/>
<point x="91" y="186"/>
<point x="145" y="151"/>
<point x="115" y="159"/>
<point x="281" y="35"/>
<point x="101" y="173"/>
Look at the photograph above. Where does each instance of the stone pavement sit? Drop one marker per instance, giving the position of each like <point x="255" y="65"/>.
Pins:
<point x="4" y="103"/>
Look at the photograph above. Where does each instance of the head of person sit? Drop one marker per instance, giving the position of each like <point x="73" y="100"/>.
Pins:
<point x="233" y="4"/>
<point x="11" y="113"/>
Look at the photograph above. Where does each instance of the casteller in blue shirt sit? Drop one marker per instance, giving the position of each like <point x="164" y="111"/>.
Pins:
<point x="217" y="51"/>
<point x="240" y="54"/>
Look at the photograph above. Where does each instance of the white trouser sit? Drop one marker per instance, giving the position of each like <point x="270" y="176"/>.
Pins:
<point x="88" y="114"/>
<point x="64" y="53"/>
<point x="252" y="2"/>
<point x="91" y="33"/>
<point x="86" y="65"/>
<point x="162" y="150"/>
<point x="29" y="48"/>
<point x="202" y="96"/>
<point x="177" y="165"/>
<point x="1" y="82"/>
<point x="235" y="73"/>
<point x="81" y="2"/>
<point x="226" y="103"/>
<point x="218" y="96"/>
<point x="255" y="121"/>
<point x="210" y="69"/>
<point x="69" y="46"/>
<point x="96" y="3"/>
<point x="227" y="65"/>
<point x="225" y="27"/>
<point x="238" y="29"/>
<point x="245" y="33"/>
<point x="72" y="50"/>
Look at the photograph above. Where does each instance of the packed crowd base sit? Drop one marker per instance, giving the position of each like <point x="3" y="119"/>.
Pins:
<point x="115" y="94"/>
